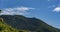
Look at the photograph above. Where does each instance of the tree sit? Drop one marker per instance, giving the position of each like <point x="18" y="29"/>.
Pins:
<point x="1" y="19"/>
<point x="0" y="11"/>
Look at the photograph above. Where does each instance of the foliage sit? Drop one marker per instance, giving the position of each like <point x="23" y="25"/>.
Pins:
<point x="0" y="11"/>
<point x="6" y="28"/>
<point x="21" y="23"/>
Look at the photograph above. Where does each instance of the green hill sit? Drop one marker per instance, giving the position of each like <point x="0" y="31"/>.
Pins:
<point x="6" y="28"/>
<point x="21" y="23"/>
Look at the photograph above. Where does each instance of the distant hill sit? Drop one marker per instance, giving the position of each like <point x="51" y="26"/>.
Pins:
<point x="30" y="24"/>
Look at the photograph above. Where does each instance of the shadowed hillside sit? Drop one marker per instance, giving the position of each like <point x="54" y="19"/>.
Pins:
<point x="6" y="28"/>
<point x="30" y="24"/>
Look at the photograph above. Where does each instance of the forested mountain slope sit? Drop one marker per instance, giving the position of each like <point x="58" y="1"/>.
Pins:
<point x="29" y="24"/>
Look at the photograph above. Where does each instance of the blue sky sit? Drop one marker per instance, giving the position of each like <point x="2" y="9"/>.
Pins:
<point x="46" y="10"/>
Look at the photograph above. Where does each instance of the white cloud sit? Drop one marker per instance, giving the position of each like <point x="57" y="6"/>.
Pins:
<point x="23" y="8"/>
<point x="57" y="9"/>
<point x="16" y="11"/>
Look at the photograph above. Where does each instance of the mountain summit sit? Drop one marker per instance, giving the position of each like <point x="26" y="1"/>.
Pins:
<point x="31" y="24"/>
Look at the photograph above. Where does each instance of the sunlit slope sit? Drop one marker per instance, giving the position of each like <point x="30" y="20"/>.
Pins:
<point x="6" y="28"/>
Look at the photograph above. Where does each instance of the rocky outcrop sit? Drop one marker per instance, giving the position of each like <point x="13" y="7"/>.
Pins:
<point x="1" y="19"/>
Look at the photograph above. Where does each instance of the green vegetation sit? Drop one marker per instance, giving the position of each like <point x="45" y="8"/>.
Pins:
<point x="0" y="11"/>
<point x="6" y="28"/>
<point x="18" y="23"/>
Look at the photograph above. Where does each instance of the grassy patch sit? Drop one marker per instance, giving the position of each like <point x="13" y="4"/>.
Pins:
<point x="6" y="28"/>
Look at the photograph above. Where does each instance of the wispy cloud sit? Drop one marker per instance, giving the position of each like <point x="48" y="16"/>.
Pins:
<point x="51" y="0"/>
<point x="51" y="6"/>
<point x="48" y="0"/>
<point x="16" y="11"/>
<point x="57" y="9"/>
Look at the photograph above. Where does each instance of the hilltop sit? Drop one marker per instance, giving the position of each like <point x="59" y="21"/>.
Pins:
<point x="20" y="22"/>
